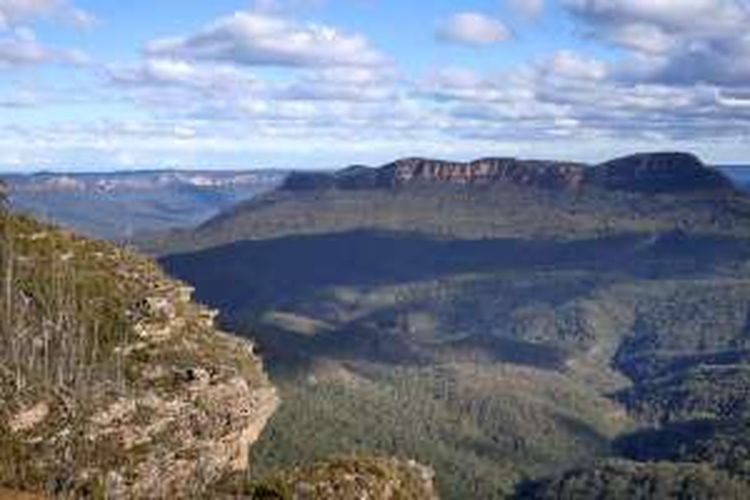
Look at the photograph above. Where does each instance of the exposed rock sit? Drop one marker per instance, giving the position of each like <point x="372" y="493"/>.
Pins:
<point x="153" y="402"/>
<point x="356" y="478"/>
<point x="542" y="174"/>
<point x="649" y="172"/>
<point x="29" y="418"/>
<point x="18" y="495"/>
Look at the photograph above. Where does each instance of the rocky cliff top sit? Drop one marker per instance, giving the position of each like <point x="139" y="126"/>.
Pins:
<point x="115" y="384"/>
<point x="647" y="172"/>
<point x="373" y="478"/>
<point x="112" y="381"/>
<point x="412" y="171"/>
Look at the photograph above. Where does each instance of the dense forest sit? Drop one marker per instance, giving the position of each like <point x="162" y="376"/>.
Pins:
<point x="501" y="332"/>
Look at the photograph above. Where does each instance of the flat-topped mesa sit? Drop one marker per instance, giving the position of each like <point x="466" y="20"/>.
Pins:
<point x="415" y="171"/>
<point x="640" y="173"/>
<point x="545" y="174"/>
<point x="667" y="172"/>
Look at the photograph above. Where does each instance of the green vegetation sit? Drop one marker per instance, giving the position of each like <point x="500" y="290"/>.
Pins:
<point x="465" y="212"/>
<point x="65" y="303"/>
<point x="99" y="355"/>
<point x="345" y="477"/>
<point x="627" y="481"/>
<point x="500" y="334"/>
<point x="120" y="205"/>
<point x="481" y="427"/>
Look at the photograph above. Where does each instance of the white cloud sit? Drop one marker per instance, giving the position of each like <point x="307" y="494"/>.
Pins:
<point x="682" y="42"/>
<point x="13" y="12"/>
<point x="350" y="84"/>
<point x="573" y="66"/>
<point x="208" y="94"/>
<point x="473" y="28"/>
<point x="574" y="96"/>
<point x="210" y="77"/>
<point x="706" y="16"/>
<point x="20" y="47"/>
<point x="255" y="39"/>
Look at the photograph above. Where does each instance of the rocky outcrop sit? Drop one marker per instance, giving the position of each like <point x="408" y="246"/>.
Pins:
<point x="657" y="173"/>
<point x="413" y="171"/>
<point x="370" y="478"/>
<point x="541" y="174"/>
<point x="113" y="382"/>
<point x="651" y="173"/>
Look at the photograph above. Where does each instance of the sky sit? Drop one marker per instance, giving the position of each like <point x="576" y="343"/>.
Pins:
<point x="113" y="84"/>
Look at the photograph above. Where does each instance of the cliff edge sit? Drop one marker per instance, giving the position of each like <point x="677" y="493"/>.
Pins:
<point x="662" y="172"/>
<point x="113" y="381"/>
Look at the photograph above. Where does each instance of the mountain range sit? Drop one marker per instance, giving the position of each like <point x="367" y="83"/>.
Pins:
<point x="523" y="329"/>
<point x="530" y="329"/>
<point x="126" y="205"/>
<point x="118" y="205"/>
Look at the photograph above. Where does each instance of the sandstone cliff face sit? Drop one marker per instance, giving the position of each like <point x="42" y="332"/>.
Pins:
<point x="542" y="174"/>
<point x="414" y="171"/>
<point x="652" y="172"/>
<point x="112" y="381"/>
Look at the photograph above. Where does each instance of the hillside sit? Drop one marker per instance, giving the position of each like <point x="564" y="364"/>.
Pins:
<point x="112" y="380"/>
<point x="499" y="320"/>
<point x="485" y="199"/>
<point x="119" y="205"/>
<point x="114" y="384"/>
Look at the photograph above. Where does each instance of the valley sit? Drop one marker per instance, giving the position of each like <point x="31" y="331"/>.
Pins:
<point x="119" y="205"/>
<point x="501" y="328"/>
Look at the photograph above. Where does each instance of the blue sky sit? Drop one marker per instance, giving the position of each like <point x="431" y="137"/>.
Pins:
<point x="100" y="84"/>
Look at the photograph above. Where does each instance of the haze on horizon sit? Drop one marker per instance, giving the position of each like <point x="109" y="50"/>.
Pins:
<point x="90" y="84"/>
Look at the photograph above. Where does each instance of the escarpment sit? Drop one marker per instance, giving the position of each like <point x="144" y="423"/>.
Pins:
<point x="645" y="172"/>
<point x="414" y="171"/>
<point x="113" y="382"/>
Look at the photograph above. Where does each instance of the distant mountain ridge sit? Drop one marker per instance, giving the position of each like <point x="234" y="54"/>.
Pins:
<point x="644" y="172"/>
<point x="138" y="180"/>
<point x="116" y="205"/>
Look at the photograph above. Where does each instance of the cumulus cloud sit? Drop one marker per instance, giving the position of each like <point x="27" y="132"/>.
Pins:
<point x="180" y="73"/>
<point x="20" y="47"/>
<point x="351" y="84"/>
<point x="677" y="43"/>
<point x="574" y="96"/>
<point x="13" y="12"/>
<point x="473" y="28"/>
<point x="694" y="16"/>
<point x="681" y="77"/>
<point x="256" y="39"/>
